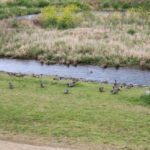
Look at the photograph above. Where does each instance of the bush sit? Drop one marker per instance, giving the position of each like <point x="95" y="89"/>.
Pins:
<point x="115" y="6"/>
<point x="50" y="17"/>
<point x="79" y="5"/>
<point x="42" y="3"/>
<point x="126" y="6"/>
<point x="14" y="23"/>
<point x="106" y="5"/>
<point x="24" y="3"/>
<point x="131" y="32"/>
<point x="61" y="18"/>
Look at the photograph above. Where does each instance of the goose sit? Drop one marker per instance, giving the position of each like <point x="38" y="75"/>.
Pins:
<point x="10" y="74"/>
<point x="10" y="86"/>
<point x="34" y="76"/>
<point x="66" y="91"/>
<point x="115" y="84"/>
<point x="19" y="75"/>
<point x="57" y="78"/>
<point x="101" y="89"/>
<point x="114" y="91"/>
<point x="42" y="85"/>
<point x="74" y="80"/>
<point x="129" y="86"/>
<point x="71" y="84"/>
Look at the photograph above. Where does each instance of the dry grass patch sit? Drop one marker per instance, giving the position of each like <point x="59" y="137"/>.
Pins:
<point x="98" y="41"/>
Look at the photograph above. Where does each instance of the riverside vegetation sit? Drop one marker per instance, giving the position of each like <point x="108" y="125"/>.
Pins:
<point x="84" y="115"/>
<point x="115" y="39"/>
<point x="9" y="8"/>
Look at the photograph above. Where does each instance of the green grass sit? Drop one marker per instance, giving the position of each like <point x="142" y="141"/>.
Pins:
<point x="84" y="115"/>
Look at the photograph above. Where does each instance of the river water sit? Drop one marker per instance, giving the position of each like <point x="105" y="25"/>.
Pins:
<point x="125" y="74"/>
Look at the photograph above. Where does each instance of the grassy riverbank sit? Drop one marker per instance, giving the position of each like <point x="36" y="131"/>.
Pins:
<point x="23" y="7"/>
<point x="84" y="115"/>
<point x="113" y="40"/>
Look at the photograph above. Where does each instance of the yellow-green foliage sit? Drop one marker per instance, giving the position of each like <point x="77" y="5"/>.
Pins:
<point x="61" y="18"/>
<point x="115" y="17"/>
<point x="49" y="12"/>
<point x="135" y="13"/>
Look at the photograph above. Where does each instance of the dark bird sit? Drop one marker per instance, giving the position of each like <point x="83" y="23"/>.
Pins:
<point x="66" y="91"/>
<point x="10" y="74"/>
<point x="42" y="85"/>
<point x="35" y="76"/>
<point x="57" y="78"/>
<point x="101" y="89"/>
<point x="114" y="91"/>
<point x="129" y="86"/>
<point x="10" y="86"/>
<point x="71" y="84"/>
<point x="19" y="75"/>
<point x="115" y="84"/>
<point x="104" y="66"/>
<point x="74" y="80"/>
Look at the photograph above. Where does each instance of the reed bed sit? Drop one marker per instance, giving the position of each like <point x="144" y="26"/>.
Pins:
<point x="114" y="39"/>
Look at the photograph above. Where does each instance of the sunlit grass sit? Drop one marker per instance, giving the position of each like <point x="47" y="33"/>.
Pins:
<point x="84" y="115"/>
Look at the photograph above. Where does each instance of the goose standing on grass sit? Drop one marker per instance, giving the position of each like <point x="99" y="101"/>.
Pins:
<point x="116" y="86"/>
<point x="10" y="85"/>
<point x="66" y="91"/>
<point x="42" y="85"/>
<point x="71" y="84"/>
<point x="114" y="91"/>
<point x="101" y="89"/>
<point x="129" y="86"/>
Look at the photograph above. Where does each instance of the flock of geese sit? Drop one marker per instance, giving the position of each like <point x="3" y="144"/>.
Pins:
<point x="115" y="89"/>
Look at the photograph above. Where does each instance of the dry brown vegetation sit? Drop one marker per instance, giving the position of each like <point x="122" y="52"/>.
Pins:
<point x="104" y="39"/>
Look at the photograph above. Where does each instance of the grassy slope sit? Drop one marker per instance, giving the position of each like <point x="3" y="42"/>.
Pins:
<point x="85" y="115"/>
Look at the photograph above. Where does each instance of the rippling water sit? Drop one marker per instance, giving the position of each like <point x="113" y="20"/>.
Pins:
<point x="128" y="75"/>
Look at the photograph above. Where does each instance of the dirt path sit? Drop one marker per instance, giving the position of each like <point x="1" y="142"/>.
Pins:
<point x="5" y="145"/>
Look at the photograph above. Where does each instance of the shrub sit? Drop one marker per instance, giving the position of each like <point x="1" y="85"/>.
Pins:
<point x="61" y="18"/>
<point x="131" y="32"/>
<point x="50" y="17"/>
<point x="66" y="20"/>
<point x="14" y="23"/>
<point x="43" y="3"/>
<point x="106" y="5"/>
<point x="115" y="6"/>
<point x="126" y="6"/>
<point x="24" y="3"/>
<point x="79" y="5"/>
